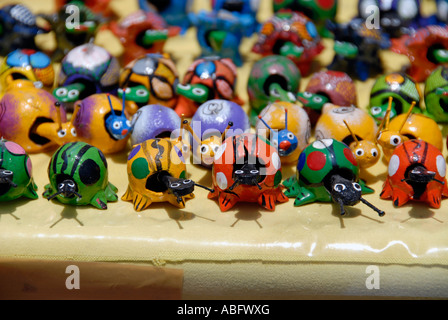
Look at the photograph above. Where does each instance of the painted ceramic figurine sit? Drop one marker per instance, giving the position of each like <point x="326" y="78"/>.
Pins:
<point x="86" y="70"/>
<point x="28" y="64"/>
<point x="402" y="88"/>
<point x="407" y="126"/>
<point x="244" y="10"/>
<point x="150" y="79"/>
<point x="23" y="110"/>
<point x="436" y="95"/>
<point x="416" y="172"/>
<point x="272" y="78"/>
<point x="78" y="176"/>
<point x="287" y="126"/>
<point x="174" y="12"/>
<point x="357" y="49"/>
<point x="157" y="173"/>
<point x="290" y="34"/>
<point x="210" y="126"/>
<point x="154" y="121"/>
<point x="327" y="171"/>
<point x="206" y="79"/>
<point x="247" y="168"/>
<point x="318" y="11"/>
<point x="395" y="17"/>
<point x="98" y="120"/>
<point x="141" y="33"/>
<point x="18" y="28"/>
<point x="327" y="86"/>
<point x="352" y="126"/>
<point x="220" y="33"/>
<point x="16" y="174"/>
<point x="426" y="49"/>
<point x="70" y="33"/>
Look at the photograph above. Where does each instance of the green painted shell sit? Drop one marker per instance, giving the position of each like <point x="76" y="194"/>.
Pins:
<point x="323" y="157"/>
<point x="16" y="163"/>
<point x="402" y="88"/>
<point x="86" y="166"/>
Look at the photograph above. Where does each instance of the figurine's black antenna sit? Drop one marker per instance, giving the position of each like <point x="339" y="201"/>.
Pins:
<point x="367" y="203"/>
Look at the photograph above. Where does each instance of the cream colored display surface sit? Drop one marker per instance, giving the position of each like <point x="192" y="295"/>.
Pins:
<point x="247" y="252"/>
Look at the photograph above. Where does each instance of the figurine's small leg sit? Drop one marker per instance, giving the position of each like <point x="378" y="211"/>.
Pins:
<point x="304" y="197"/>
<point x="140" y="202"/>
<point x="48" y="191"/>
<point x="292" y="187"/>
<point x="434" y="198"/>
<point x="387" y="191"/>
<point x="267" y="201"/>
<point x="111" y="193"/>
<point x="281" y="197"/>
<point x="399" y="197"/>
<point x="99" y="200"/>
<point x="30" y="192"/>
<point x="364" y="188"/>
<point x="227" y="201"/>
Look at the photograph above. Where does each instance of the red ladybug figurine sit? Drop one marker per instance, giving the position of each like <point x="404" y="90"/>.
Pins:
<point x="416" y="171"/>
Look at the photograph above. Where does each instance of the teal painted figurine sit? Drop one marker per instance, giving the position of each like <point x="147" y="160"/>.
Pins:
<point x="16" y="179"/>
<point x="327" y="171"/>
<point x="78" y="176"/>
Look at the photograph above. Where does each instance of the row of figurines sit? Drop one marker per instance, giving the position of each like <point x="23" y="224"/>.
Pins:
<point x="294" y="30"/>
<point x="153" y="79"/>
<point x="246" y="168"/>
<point x="33" y="118"/>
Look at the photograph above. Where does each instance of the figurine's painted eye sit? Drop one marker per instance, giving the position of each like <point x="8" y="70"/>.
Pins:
<point x="374" y="153"/>
<point x="375" y="110"/>
<point x="239" y="171"/>
<point x="73" y="132"/>
<point x="254" y="171"/>
<point x="187" y="181"/>
<point x="73" y="93"/>
<point x="216" y="149"/>
<point x="116" y="125"/>
<point x="175" y="185"/>
<point x="359" y="152"/>
<point x="307" y="94"/>
<point x="71" y="184"/>
<point x="7" y="172"/>
<point x="61" y="92"/>
<point x="290" y="136"/>
<point x="339" y="187"/>
<point x="141" y="93"/>
<point x="198" y="91"/>
<point x="128" y="123"/>
<point x="274" y="92"/>
<point x="357" y="186"/>
<point x="395" y="22"/>
<point x="385" y="22"/>
<point x="62" y="133"/>
<point x="395" y="140"/>
<point x="204" y="148"/>
<point x="317" y="99"/>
